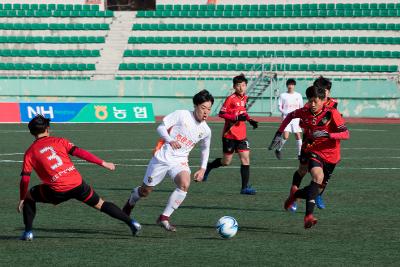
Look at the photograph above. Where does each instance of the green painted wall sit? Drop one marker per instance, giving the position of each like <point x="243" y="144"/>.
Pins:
<point x="357" y="98"/>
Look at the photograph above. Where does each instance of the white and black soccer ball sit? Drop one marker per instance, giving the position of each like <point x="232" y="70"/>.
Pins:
<point x="227" y="227"/>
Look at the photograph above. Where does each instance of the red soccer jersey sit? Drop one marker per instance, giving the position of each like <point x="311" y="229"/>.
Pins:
<point x="48" y="156"/>
<point x="329" y="120"/>
<point x="234" y="105"/>
<point x="331" y="102"/>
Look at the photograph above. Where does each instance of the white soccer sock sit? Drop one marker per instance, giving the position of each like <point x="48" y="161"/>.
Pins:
<point x="174" y="201"/>
<point x="281" y="144"/>
<point x="134" y="196"/>
<point x="299" y="143"/>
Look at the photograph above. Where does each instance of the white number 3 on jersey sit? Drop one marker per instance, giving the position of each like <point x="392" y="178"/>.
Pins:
<point x="53" y="156"/>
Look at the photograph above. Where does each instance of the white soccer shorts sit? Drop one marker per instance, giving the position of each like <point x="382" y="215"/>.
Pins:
<point x="293" y="126"/>
<point x="157" y="170"/>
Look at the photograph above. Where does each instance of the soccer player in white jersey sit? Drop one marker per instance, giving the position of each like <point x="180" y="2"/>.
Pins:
<point x="288" y="102"/>
<point x="180" y="131"/>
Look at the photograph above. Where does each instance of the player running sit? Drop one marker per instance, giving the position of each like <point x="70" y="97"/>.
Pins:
<point x="298" y="175"/>
<point x="288" y="102"/>
<point x="180" y="131"/>
<point x="234" y="137"/>
<point x="323" y="127"/>
<point x="49" y="158"/>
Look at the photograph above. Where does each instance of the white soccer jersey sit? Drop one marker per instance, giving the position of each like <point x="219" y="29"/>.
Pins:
<point x="185" y="129"/>
<point x="289" y="102"/>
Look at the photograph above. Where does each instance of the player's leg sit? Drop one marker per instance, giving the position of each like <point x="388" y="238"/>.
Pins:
<point x="39" y="193"/>
<point x="244" y="156"/>
<point x="290" y="203"/>
<point x="299" y="143"/>
<point x="278" y="151"/>
<point x="182" y="181"/>
<point x="87" y="195"/>
<point x="228" y="148"/>
<point x="29" y="212"/>
<point x="310" y="192"/>
<point x="328" y="170"/>
<point x="155" y="173"/>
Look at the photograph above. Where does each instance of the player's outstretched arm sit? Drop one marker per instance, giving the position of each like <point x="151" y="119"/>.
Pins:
<point x="89" y="157"/>
<point x="108" y="165"/>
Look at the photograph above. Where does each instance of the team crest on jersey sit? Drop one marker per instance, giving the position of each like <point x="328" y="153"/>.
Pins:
<point x="149" y="179"/>
<point x="201" y="135"/>
<point x="325" y="119"/>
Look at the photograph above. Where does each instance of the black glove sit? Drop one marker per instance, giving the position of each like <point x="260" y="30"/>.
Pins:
<point x="276" y="141"/>
<point x="253" y="123"/>
<point x="241" y="117"/>
<point x="323" y="133"/>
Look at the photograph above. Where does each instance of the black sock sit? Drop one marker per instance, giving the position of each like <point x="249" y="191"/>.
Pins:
<point x="213" y="165"/>
<point x="302" y="193"/>
<point x="115" y="212"/>
<point x="297" y="179"/>
<point x="245" y="173"/>
<point x="312" y="193"/>
<point x="29" y="212"/>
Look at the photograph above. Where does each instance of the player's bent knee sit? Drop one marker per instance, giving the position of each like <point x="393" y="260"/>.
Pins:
<point x="144" y="191"/>
<point x="99" y="204"/>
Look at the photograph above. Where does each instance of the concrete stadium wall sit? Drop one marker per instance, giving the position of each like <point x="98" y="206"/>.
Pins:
<point x="360" y="98"/>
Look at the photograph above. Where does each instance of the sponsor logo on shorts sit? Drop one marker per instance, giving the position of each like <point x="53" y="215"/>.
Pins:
<point x="149" y="179"/>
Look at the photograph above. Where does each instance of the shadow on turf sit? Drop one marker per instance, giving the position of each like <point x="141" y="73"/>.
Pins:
<point x="219" y="208"/>
<point x="127" y="235"/>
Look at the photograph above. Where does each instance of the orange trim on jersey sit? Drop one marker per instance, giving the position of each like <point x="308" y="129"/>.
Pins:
<point x="160" y="142"/>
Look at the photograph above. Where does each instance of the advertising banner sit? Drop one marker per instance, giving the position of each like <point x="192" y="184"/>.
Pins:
<point x="9" y="112"/>
<point x="88" y="112"/>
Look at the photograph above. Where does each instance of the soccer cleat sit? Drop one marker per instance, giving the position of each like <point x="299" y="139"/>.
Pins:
<point x="320" y="202"/>
<point x="291" y="200"/>
<point x="135" y="227"/>
<point x="278" y="154"/>
<point x="27" y="236"/>
<point x="309" y="221"/>
<point x="248" y="191"/>
<point x="163" y="221"/>
<point x="127" y="209"/>
<point x="293" y="208"/>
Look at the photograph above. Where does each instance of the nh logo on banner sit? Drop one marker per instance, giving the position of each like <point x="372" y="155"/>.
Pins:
<point x="32" y="112"/>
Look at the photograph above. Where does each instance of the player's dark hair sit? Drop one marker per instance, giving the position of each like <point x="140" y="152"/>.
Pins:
<point x="315" y="92"/>
<point x="290" y="81"/>
<point x="323" y="83"/>
<point x="203" y="96"/>
<point x="239" y="79"/>
<point x="38" y="125"/>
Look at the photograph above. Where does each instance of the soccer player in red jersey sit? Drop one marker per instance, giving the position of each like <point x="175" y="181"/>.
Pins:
<point x="234" y="136"/>
<point x="49" y="157"/>
<point x="298" y="175"/>
<point x="324" y="127"/>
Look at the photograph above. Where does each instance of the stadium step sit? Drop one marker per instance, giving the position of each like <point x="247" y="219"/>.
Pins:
<point x="114" y="47"/>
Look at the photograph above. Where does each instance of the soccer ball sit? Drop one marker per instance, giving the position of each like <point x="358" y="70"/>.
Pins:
<point x="227" y="227"/>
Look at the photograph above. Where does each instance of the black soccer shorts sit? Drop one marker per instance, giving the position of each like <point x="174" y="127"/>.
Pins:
<point x="84" y="193"/>
<point x="230" y="146"/>
<point x="316" y="161"/>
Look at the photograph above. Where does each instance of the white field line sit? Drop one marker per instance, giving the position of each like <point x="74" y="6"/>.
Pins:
<point x="231" y="167"/>
<point x="218" y="149"/>
<point x="151" y="130"/>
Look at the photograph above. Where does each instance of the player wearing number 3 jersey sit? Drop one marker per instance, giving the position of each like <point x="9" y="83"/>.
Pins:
<point x="49" y="158"/>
